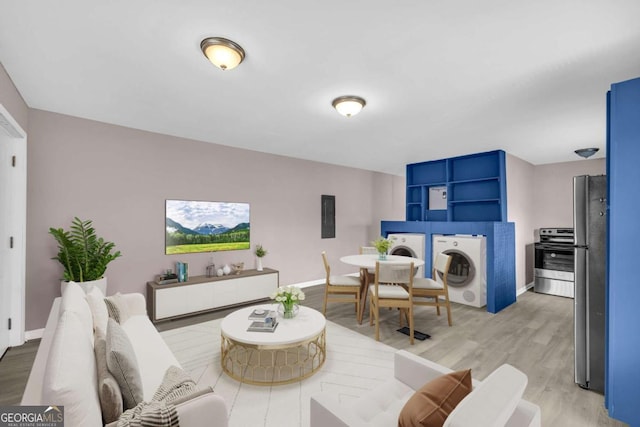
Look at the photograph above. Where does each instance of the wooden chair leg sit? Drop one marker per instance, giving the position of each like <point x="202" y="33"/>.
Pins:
<point x="449" y="312"/>
<point x="371" y="312"/>
<point x="324" y="304"/>
<point x="437" y="305"/>
<point x="411" y="340"/>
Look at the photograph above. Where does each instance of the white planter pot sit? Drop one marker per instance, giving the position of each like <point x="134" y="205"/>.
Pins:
<point x="258" y="263"/>
<point x="87" y="286"/>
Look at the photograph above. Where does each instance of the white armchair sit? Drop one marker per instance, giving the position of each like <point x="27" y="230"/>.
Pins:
<point x="496" y="401"/>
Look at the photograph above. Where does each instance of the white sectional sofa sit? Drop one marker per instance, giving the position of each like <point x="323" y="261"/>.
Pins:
<point x="496" y="401"/>
<point x="65" y="371"/>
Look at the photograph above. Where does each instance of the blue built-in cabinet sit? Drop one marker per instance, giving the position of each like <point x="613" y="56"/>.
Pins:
<point x="475" y="186"/>
<point x="622" y="352"/>
<point x="501" y="276"/>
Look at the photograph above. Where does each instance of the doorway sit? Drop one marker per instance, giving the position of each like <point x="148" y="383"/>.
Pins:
<point x="13" y="214"/>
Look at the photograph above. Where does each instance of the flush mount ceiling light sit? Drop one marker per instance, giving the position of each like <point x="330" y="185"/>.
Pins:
<point x="223" y="53"/>
<point x="348" y="105"/>
<point x="586" y="152"/>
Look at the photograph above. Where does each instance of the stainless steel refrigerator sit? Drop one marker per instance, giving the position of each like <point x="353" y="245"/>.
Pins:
<point x="589" y="223"/>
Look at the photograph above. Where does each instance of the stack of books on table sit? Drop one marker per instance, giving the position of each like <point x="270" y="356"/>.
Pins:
<point x="263" y="321"/>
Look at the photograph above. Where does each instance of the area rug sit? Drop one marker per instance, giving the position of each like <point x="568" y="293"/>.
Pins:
<point x="354" y="365"/>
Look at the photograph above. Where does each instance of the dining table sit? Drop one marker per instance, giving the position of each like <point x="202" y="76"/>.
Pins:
<point x="367" y="265"/>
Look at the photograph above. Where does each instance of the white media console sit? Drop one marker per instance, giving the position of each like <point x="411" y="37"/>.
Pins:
<point x="200" y="294"/>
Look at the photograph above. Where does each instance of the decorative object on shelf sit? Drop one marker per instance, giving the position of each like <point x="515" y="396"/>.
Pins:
<point x="167" y="278"/>
<point x="289" y="298"/>
<point x="348" y="105"/>
<point x="220" y="272"/>
<point x="211" y="270"/>
<point x="586" y="152"/>
<point x="237" y="267"/>
<point x="259" y="252"/>
<point x="83" y="255"/>
<point x="223" y="53"/>
<point x="382" y="245"/>
<point x="226" y="269"/>
<point x="182" y="270"/>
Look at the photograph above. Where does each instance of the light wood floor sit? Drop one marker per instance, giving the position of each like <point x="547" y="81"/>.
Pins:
<point x="535" y="335"/>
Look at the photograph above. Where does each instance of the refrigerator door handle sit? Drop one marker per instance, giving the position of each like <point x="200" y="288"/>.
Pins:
<point x="580" y="317"/>
<point x="580" y="198"/>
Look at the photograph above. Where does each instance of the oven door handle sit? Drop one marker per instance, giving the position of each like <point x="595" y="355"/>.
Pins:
<point x="548" y="246"/>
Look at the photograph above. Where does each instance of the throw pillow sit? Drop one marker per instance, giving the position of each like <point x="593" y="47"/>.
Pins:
<point x="95" y="298"/>
<point x="122" y="363"/>
<point x="108" y="388"/>
<point x="431" y="405"/>
<point x="117" y="308"/>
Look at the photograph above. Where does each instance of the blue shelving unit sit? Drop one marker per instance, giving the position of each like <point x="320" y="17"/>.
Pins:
<point x="475" y="185"/>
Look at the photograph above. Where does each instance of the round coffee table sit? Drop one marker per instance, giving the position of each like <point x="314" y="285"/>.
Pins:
<point x="294" y="351"/>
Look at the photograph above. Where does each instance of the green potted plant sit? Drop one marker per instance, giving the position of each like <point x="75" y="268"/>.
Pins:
<point x="83" y="255"/>
<point x="382" y="245"/>
<point x="259" y="252"/>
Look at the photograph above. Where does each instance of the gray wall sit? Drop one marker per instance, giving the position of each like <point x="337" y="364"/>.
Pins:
<point x="538" y="197"/>
<point x="120" y="178"/>
<point x="554" y="186"/>
<point x="11" y="99"/>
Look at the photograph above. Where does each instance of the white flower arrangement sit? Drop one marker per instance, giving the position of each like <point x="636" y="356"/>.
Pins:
<point x="288" y="295"/>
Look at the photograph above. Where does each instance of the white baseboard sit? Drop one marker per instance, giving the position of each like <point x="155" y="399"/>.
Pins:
<point x="318" y="281"/>
<point x="33" y="335"/>
<point x="525" y="289"/>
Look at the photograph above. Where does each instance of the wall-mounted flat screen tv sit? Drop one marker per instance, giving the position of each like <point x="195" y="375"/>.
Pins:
<point x="195" y="226"/>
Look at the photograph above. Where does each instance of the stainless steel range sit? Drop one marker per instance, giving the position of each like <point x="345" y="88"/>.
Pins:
<point x="554" y="266"/>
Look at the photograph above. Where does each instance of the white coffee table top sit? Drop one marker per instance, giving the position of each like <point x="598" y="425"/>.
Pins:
<point x="306" y="325"/>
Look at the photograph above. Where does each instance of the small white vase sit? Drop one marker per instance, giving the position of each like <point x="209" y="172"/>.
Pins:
<point x="226" y="269"/>
<point x="259" y="263"/>
<point x="87" y="286"/>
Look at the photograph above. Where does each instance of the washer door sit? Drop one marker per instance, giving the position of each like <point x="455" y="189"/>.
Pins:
<point x="462" y="270"/>
<point x="403" y="251"/>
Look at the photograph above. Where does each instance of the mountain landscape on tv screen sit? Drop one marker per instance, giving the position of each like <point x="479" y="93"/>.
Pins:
<point x="201" y="234"/>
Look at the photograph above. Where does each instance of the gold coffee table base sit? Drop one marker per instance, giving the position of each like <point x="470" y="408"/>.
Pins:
<point x="272" y="364"/>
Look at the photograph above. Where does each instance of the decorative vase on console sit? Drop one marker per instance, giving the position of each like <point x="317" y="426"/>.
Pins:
<point x="259" y="252"/>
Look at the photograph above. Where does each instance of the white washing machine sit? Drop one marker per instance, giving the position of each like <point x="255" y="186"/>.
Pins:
<point x="468" y="271"/>
<point x="408" y="244"/>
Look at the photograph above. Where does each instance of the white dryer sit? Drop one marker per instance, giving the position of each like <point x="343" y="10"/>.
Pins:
<point x="468" y="271"/>
<point x="408" y="244"/>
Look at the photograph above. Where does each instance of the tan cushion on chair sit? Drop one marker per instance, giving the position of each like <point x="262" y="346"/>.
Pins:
<point x="431" y="405"/>
<point x="426" y="283"/>
<point x="344" y="281"/>
<point x="390" y="291"/>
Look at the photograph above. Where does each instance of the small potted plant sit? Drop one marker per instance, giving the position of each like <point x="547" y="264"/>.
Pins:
<point x="259" y="252"/>
<point x="83" y="255"/>
<point x="382" y="245"/>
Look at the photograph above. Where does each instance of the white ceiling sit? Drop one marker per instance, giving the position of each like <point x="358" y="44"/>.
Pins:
<point x="441" y="78"/>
